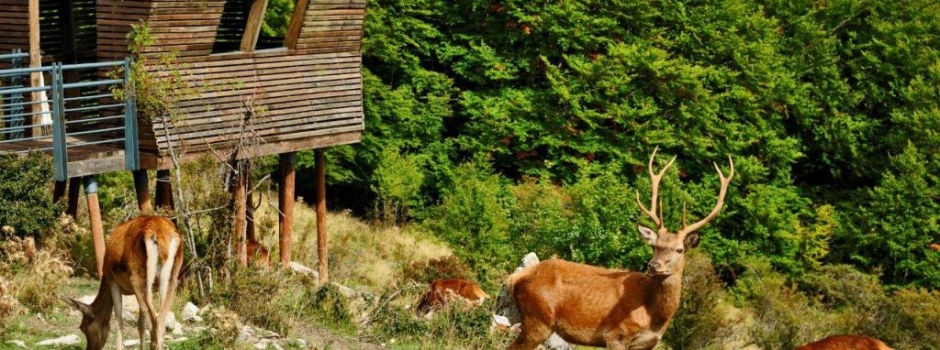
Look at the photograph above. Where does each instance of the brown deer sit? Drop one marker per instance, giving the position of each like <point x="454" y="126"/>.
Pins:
<point x="594" y="306"/>
<point x="139" y="253"/>
<point x="444" y="291"/>
<point x="846" y="342"/>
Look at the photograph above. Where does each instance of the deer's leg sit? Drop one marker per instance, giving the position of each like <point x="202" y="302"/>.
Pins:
<point x="533" y="333"/>
<point x="119" y="313"/>
<point x="168" y="278"/>
<point x="144" y="289"/>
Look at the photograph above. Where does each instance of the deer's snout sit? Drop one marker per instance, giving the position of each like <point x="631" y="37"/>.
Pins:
<point x="658" y="266"/>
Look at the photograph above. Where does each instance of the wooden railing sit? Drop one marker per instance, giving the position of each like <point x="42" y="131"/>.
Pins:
<point x="85" y="118"/>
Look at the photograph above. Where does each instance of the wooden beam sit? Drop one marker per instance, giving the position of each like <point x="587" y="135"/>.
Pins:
<point x="75" y="185"/>
<point x="164" y="190"/>
<point x="58" y="191"/>
<point x="94" y="217"/>
<point x="322" y="254"/>
<point x="253" y="25"/>
<point x="35" y="61"/>
<point x="142" y="187"/>
<point x="296" y="24"/>
<point x="238" y="229"/>
<point x="286" y="204"/>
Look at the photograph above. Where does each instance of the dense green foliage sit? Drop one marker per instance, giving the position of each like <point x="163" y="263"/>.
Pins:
<point x="24" y="203"/>
<point x="830" y="110"/>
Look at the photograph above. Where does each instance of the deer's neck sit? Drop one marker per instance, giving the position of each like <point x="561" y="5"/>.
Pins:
<point x="104" y="302"/>
<point x="663" y="301"/>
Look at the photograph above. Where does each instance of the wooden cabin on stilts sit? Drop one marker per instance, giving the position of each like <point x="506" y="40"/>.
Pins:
<point x="303" y="91"/>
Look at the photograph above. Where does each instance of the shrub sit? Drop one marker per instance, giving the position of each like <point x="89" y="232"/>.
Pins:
<point x="909" y="320"/>
<point x="224" y="325"/>
<point x="9" y="306"/>
<point x="24" y="205"/>
<point x="704" y="319"/>
<point x="37" y="274"/>
<point x="429" y="270"/>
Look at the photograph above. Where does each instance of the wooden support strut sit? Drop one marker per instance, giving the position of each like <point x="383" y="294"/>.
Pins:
<point x="75" y="186"/>
<point x="35" y="61"/>
<point x="94" y="217"/>
<point x="253" y="25"/>
<point x="296" y="24"/>
<point x="322" y="254"/>
<point x="239" y="229"/>
<point x="141" y="185"/>
<point x="164" y="190"/>
<point x="285" y="203"/>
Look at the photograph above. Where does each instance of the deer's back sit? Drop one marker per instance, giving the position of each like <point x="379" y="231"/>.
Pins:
<point x="127" y="243"/>
<point x="846" y="342"/>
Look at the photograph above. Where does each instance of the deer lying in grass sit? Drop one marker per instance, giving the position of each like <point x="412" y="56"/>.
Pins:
<point x="846" y="342"/>
<point x="444" y="291"/>
<point x="593" y="306"/>
<point x="139" y="253"/>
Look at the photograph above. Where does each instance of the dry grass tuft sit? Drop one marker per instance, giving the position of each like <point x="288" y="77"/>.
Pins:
<point x="360" y="254"/>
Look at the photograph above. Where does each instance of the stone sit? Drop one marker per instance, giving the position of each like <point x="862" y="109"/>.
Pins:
<point x="190" y="313"/>
<point x="17" y="343"/>
<point x="71" y="339"/>
<point x="301" y="269"/>
<point x="131" y="342"/>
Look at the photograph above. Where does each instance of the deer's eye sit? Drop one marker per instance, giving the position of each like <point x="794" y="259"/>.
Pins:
<point x="680" y="250"/>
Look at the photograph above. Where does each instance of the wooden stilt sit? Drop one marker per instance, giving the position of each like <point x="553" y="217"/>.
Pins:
<point x="164" y="190"/>
<point x="141" y="185"/>
<point x="94" y="217"/>
<point x="75" y="185"/>
<point x="322" y="254"/>
<point x="59" y="191"/>
<point x="35" y="61"/>
<point x="238" y="234"/>
<point x="286" y="204"/>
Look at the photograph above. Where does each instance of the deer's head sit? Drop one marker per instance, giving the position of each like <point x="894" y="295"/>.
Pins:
<point x="95" y="328"/>
<point x="669" y="248"/>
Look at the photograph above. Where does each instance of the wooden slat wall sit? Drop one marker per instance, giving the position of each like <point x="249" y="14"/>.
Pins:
<point x="14" y="24"/>
<point x="182" y="26"/>
<point x="333" y="26"/>
<point x="296" y="96"/>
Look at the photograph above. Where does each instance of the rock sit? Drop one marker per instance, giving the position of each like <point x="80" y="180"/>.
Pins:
<point x="17" y="343"/>
<point x="131" y="342"/>
<point x="71" y="339"/>
<point x="301" y="269"/>
<point x="190" y="313"/>
<point x="171" y="322"/>
<point x="245" y="333"/>
<point x="176" y="340"/>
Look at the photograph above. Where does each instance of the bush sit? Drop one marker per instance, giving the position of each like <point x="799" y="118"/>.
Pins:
<point x="37" y="274"/>
<point x="25" y="200"/>
<point x="704" y="318"/>
<point x="9" y="306"/>
<point x="429" y="270"/>
<point x="909" y="320"/>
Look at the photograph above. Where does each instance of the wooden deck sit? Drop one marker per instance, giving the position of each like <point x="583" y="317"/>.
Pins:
<point x="83" y="160"/>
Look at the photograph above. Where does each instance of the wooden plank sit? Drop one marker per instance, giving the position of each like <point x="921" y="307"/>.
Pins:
<point x="253" y="25"/>
<point x="296" y="24"/>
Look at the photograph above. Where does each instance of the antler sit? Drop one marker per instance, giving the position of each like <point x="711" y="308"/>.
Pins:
<point x="651" y="212"/>
<point x="721" y="201"/>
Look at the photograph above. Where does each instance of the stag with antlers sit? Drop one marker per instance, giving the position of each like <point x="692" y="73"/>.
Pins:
<point x="594" y="306"/>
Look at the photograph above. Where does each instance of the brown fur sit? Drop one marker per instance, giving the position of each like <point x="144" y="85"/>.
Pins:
<point x="846" y="342"/>
<point x="258" y="254"/>
<point x="125" y="266"/>
<point x="444" y="291"/>
<point x="620" y="310"/>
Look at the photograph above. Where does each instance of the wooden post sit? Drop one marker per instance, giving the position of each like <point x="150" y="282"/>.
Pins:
<point x="142" y="187"/>
<point x="296" y="24"/>
<point x="75" y="185"/>
<point x="94" y="217"/>
<point x="35" y="61"/>
<point x="253" y="25"/>
<point x="238" y="233"/>
<point x="58" y="191"/>
<point x="322" y="254"/>
<point x="164" y="190"/>
<point x="286" y="204"/>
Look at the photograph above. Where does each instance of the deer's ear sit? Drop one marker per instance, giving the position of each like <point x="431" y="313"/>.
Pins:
<point x="84" y="308"/>
<point x="692" y="240"/>
<point x="648" y="234"/>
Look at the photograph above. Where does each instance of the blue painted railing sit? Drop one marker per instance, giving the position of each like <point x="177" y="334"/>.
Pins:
<point x="81" y="114"/>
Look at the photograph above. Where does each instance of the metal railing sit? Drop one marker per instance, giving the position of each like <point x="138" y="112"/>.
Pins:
<point x="83" y="114"/>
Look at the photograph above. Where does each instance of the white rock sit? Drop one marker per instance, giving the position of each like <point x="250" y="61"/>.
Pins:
<point x="71" y="339"/>
<point x="296" y="267"/>
<point x="171" y="323"/>
<point x="131" y="342"/>
<point x="245" y="333"/>
<point x="190" y="312"/>
<point x="17" y="343"/>
<point x="177" y="339"/>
